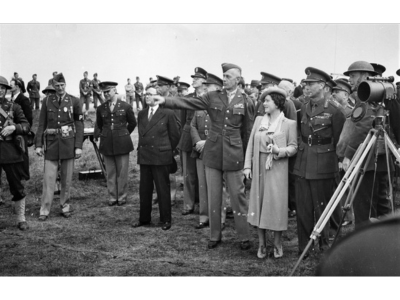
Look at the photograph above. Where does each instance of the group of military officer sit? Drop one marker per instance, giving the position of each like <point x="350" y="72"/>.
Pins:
<point x="216" y="121"/>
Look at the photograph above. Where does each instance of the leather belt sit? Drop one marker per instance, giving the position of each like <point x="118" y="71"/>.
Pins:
<point x="316" y="141"/>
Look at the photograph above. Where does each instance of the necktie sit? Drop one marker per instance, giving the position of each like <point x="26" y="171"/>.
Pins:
<point x="112" y="106"/>
<point x="151" y="114"/>
<point x="59" y="101"/>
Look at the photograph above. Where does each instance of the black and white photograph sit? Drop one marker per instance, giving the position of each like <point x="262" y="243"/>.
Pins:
<point x="246" y="148"/>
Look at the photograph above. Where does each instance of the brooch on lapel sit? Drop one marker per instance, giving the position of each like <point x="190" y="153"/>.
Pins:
<point x="239" y="105"/>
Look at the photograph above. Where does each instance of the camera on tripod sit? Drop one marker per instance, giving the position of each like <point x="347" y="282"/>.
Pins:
<point x="376" y="89"/>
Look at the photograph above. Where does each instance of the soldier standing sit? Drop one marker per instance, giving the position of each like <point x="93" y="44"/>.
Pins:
<point x="316" y="165"/>
<point x="59" y="137"/>
<point x="33" y="89"/>
<point x="371" y="199"/>
<point x="130" y="93"/>
<point x="191" y="186"/>
<point x="85" y="91"/>
<point x="12" y="122"/>
<point x="97" y="96"/>
<point x="200" y="127"/>
<point x="116" y="121"/>
<point x="138" y="93"/>
<point x="232" y="117"/>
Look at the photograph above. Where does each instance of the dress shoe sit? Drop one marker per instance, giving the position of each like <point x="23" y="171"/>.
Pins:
<point x="139" y="224"/>
<point x="43" y="218"/>
<point x="23" y="226"/>
<point x="121" y="203"/>
<point x="66" y="214"/>
<point x="245" y="245"/>
<point x="262" y="252"/>
<point x="213" y="244"/>
<point x="187" y="212"/>
<point x="112" y="203"/>
<point x="166" y="226"/>
<point x="202" y="225"/>
<point x="278" y="252"/>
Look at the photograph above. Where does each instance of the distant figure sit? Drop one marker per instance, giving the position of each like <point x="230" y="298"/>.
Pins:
<point x="138" y="93"/>
<point x="85" y="91"/>
<point x="51" y="80"/>
<point x="130" y="92"/>
<point x="97" y="94"/>
<point x="33" y="89"/>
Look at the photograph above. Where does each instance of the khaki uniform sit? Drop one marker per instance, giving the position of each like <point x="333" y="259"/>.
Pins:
<point x="115" y="127"/>
<point x="59" y="133"/>
<point x="224" y="150"/>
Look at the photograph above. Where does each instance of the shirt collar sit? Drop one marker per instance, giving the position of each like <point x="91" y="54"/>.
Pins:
<point x="155" y="107"/>
<point x="230" y="94"/>
<point x="15" y="96"/>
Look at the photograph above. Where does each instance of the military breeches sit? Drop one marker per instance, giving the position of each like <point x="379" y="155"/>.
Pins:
<point x="235" y="187"/>
<point x="378" y="205"/>
<point x="312" y="197"/>
<point x="203" y="197"/>
<point x="13" y="174"/>
<point x="49" y="183"/>
<point x="190" y="188"/>
<point x="151" y="175"/>
<point x="117" y="177"/>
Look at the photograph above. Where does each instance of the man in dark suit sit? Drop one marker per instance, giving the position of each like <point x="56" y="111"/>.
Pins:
<point x="33" y="89"/>
<point x="158" y="137"/>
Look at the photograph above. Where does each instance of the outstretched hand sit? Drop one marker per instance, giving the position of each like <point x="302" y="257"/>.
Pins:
<point x="157" y="99"/>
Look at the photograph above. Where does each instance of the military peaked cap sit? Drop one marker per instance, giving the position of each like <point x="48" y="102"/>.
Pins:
<point x="182" y="85"/>
<point x="269" y="78"/>
<point x="314" y="75"/>
<point x="107" y="85"/>
<point x="288" y="79"/>
<point x="161" y="80"/>
<point x="199" y="72"/>
<point x="342" y="85"/>
<point x="59" y="78"/>
<point x="213" y="79"/>
<point x="255" y="83"/>
<point x="228" y="66"/>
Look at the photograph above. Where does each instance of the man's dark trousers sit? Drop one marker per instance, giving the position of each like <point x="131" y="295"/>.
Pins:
<point x="159" y="174"/>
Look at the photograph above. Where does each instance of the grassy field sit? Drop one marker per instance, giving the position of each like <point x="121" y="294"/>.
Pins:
<point x="98" y="240"/>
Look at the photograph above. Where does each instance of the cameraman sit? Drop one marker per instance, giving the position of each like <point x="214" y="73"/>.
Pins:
<point x="367" y="205"/>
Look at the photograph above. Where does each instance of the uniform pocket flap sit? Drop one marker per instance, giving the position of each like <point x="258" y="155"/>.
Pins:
<point x="238" y="111"/>
<point x="216" y="106"/>
<point x="325" y="148"/>
<point x="322" y="121"/>
<point x="164" y="148"/>
<point x="120" y="112"/>
<point x="235" y="140"/>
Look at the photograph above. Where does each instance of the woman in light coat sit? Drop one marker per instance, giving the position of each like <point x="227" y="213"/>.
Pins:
<point x="273" y="139"/>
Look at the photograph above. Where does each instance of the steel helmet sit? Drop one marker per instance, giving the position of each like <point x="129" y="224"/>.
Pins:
<point x="360" y="66"/>
<point x="4" y="83"/>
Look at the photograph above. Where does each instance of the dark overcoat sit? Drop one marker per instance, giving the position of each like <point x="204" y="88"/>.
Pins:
<point x="25" y="104"/>
<point x="115" y="128"/>
<point x="54" y="116"/>
<point x="157" y="138"/>
<point x="185" y="143"/>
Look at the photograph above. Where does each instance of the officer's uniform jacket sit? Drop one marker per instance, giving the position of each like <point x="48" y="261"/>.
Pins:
<point x="9" y="151"/>
<point x="85" y="87"/>
<point x="199" y="129"/>
<point x="60" y="128"/>
<point x="115" y="128"/>
<point x="355" y="132"/>
<point x="230" y="130"/>
<point x="158" y="137"/>
<point x="185" y="143"/>
<point x="320" y="131"/>
<point x="33" y="89"/>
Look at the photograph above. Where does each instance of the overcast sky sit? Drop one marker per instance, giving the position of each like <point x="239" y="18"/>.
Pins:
<point x="119" y="51"/>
